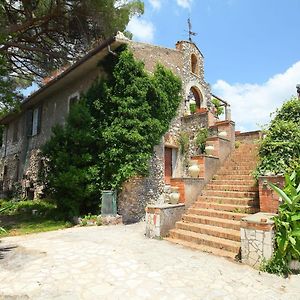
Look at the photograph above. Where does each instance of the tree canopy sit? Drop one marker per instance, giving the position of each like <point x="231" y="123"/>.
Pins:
<point x="37" y="37"/>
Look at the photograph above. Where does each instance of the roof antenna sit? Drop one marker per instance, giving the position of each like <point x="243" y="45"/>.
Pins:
<point x="191" y="33"/>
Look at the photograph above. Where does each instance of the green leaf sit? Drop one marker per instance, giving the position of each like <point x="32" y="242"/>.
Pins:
<point x="281" y="193"/>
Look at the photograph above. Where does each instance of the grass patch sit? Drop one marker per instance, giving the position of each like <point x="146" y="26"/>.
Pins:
<point x="30" y="216"/>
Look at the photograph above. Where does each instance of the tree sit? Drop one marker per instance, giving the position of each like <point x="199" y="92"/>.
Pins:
<point x="125" y="116"/>
<point x="37" y="37"/>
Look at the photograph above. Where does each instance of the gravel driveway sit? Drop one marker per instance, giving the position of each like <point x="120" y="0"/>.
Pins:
<point x="118" y="262"/>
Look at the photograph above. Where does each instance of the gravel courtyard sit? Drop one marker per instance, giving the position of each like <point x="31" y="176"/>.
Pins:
<point x="118" y="262"/>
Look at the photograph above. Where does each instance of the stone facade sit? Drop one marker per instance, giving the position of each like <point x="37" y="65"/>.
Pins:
<point x="161" y="218"/>
<point x="21" y="161"/>
<point x="257" y="239"/>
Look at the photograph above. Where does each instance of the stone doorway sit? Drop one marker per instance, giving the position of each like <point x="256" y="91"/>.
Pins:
<point x="170" y="163"/>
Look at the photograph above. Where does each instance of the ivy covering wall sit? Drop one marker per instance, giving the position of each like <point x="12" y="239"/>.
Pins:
<point x="280" y="149"/>
<point x="110" y="133"/>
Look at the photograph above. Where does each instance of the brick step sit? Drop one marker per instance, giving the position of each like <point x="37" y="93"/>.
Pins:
<point x="230" y="201"/>
<point x="233" y="177"/>
<point x="224" y="233"/>
<point x="216" y="213"/>
<point x="234" y="172"/>
<point x="212" y="221"/>
<point x="206" y="240"/>
<point x="244" y="157"/>
<point x="227" y="207"/>
<point x="236" y="167"/>
<point x="231" y="187"/>
<point x="229" y="194"/>
<point x="240" y="182"/>
<point x="203" y="248"/>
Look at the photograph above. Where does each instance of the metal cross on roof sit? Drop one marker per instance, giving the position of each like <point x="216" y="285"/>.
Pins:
<point x="191" y="33"/>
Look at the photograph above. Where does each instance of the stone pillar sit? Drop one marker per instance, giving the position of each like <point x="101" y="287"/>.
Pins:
<point x="257" y="238"/>
<point x="268" y="199"/>
<point x="161" y="218"/>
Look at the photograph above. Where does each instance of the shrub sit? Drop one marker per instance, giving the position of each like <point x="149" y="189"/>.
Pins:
<point x="201" y="138"/>
<point x="110" y="133"/>
<point x="280" y="149"/>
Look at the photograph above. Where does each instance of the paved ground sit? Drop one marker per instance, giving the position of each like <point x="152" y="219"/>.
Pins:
<point x="118" y="262"/>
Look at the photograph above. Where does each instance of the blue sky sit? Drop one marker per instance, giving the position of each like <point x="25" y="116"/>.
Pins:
<point x="251" y="48"/>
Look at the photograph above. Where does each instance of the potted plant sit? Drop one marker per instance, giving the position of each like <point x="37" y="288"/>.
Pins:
<point x="201" y="138"/>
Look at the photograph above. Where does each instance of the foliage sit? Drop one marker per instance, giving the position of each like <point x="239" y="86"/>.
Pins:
<point x="193" y="108"/>
<point x="280" y="149"/>
<point x="201" y="138"/>
<point x="18" y="217"/>
<point x="183" y="142"/>
<point x="90" y="219"/>
<point x="287" y="224"/>
<point x="110" y="134"/>
<point x="38" y="37"/>
<point x="218" y="106"/>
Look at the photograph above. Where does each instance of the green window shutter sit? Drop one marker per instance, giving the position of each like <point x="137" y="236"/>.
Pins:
<point x="29" y="119"/>
<point x="39" y="124"/>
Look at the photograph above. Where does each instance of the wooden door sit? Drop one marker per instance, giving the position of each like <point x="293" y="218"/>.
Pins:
<point x="168" y="165"/>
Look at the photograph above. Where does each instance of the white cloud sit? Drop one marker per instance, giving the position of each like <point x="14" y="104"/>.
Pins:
<point x="142" y="30"/>
<point x="184" y="3"/>
<point x="156" y="4"/>
<point x="251" y="104"/>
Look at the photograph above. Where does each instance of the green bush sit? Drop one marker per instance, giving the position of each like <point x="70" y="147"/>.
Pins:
<point x="201" y="138"/>
<point x="279" y="151"/>
<point x="110" y="133"/>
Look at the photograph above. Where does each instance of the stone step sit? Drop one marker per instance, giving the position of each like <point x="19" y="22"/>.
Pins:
<point x="240" y="182"/>
<point x="203" y="248"/>
<point x="212" y="221"/>
<point x="231" y="187"/>
<point x="227" y="207"/>
<point x="206" y="240"/>
<point x="229" y="194"/>
<point x="226" y="200"/>
<point x="225" y="233"/>
<point x="216" y="213"/>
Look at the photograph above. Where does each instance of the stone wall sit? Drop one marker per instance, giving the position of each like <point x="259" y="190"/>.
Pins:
<point x="257" y="239"/>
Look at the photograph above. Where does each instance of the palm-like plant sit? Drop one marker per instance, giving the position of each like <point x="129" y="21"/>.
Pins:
<point x="288" y="220"/>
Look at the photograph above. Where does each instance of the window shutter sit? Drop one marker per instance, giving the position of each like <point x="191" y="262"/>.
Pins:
<point x="39" y="123"/>
<point x="29" y="118"/>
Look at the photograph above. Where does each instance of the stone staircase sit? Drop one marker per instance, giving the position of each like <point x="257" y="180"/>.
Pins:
<point x="212" y="223"/>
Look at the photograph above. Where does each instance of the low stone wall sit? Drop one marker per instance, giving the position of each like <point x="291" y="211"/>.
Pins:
<point x="161" y="218"/>
<point x="257" y="238"/>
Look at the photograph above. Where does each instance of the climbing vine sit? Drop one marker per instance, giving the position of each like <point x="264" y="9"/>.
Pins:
<point x="110" y="133"/>
<point x="279" y="151"/>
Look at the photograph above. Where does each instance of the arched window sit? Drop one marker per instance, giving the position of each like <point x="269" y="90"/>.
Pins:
<point x="196" y="95"/>
<point x="194" y="64"/>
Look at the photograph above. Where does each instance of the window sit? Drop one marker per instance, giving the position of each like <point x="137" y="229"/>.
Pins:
<point x="194" y="64"/>
<point x="34" y="121"/>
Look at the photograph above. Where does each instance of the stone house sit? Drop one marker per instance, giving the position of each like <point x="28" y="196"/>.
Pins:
<point x="27" y="130"/>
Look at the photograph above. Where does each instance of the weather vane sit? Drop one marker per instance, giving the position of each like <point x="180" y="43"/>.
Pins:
<point x="191" y="33"/>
